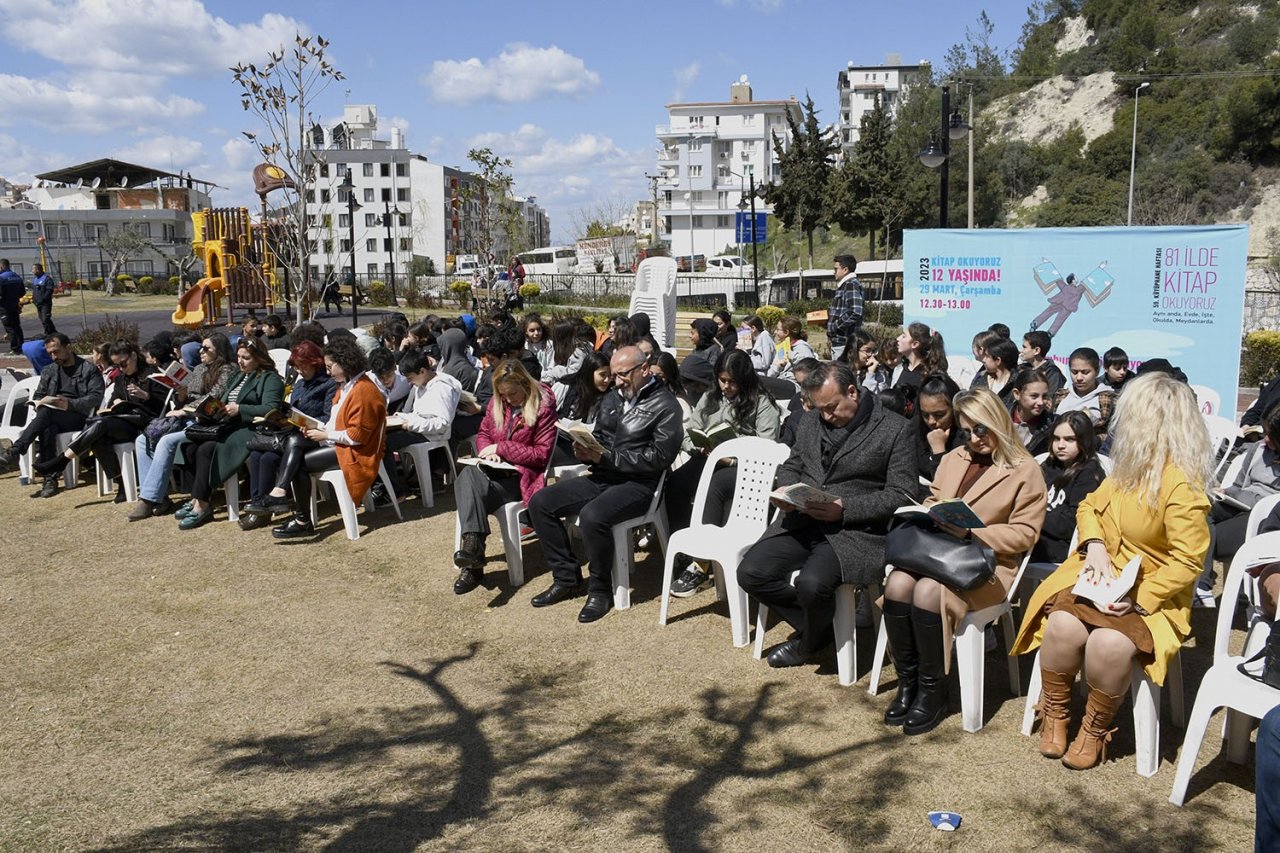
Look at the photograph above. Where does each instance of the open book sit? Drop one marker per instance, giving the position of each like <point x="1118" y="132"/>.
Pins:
<point x="42" y="401"/>
<point x="488" y="463"/>
<point x="709" y="439"/>
<point x="1234" y="500"/>
<point x="580" y="433"/>
<point x="122" y="407"/>
<point x="466" y="398"/>
<point x="953" y="511"/>
<point x="172" y="376"/>
<point x="800" y="494"/>
<point x="1112" y="589"/>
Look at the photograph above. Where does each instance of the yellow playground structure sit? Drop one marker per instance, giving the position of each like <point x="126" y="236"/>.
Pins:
<point x="238" y="267"/>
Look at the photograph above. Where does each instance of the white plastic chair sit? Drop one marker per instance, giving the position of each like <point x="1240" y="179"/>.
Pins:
<point x="623" y="556"/>
<point x="970" y="649"/>
<point x="10" y="429"/>
<point x="124" y="452"/>
<point x="757" y="463"/>
<point x="1252" y="591"/>
<point x="843" y="625"/>
<point x="281" y="359"/>
<point x="1209" y="400"/>
<point x="1223" y="685"/>
<point x="654" y="294"/>
<point x="346" y="505"/>
<point x="508" y="516"/>
<point x="420" y="453"/>
<point x="1222" y="434"/>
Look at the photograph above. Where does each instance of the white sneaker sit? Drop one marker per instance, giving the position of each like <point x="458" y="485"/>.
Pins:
<point x="1204" y="598"/>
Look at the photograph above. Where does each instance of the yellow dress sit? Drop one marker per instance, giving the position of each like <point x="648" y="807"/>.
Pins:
<point x="1172" y="537"/>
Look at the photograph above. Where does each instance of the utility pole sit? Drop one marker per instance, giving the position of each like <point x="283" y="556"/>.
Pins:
<point x="653" y="185"/>
<point x="391" y="249"/>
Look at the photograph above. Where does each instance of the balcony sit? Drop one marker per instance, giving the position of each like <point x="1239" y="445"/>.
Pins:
<point x="705" y="131"/>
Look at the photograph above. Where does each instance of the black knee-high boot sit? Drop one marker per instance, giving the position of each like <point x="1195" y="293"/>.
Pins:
<point x="902" y="645"/>
<point x="930" y="703"/>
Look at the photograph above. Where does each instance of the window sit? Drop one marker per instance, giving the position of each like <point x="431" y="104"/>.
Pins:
<point x="406" y="244"/>
<point x="324" y="196"/>
<point x="344" y="220"/>
<point x="9" y="234"/>
<point x="723" y="172"/>
<point x="311" y="196"/>
<point x="58" y="232"/>
<point x="93" y="231"/>
<point x="370" y="220"/>
<point x="368" y="170"/>
<point x="387" y="244"/>
<point x="368" y="195"/>
<point x="722" y="199"/>
<point x="666" y="197"/>
<point x="343" y="195"/>
<point x="388" y="269"/>
<point x="315" y="272"/>
<point x="404" y="220"/>
<point x="749" y="119"/>
<point x="723" y="222"/>
<point x="371" y="245"/>
<point x="402" y="170"/>
<point x="696" y="122"/>
<point x="776" y="170"/>
<point x="698" y="197"/>
<point x="142" y="229"/>
<point x="324" y="170"/>
<point x="171" y="233"/>
<point x="345" y="245"/>
<point x="373" y="269"/>
<point x="402" y="194"/>
<point x="695" y="171"/>
<point x="695" y="146"/>
<point x="386" y="193"/>
<point x="328" y="247"/>
<point x="748" y="170"/>
<point x="385" y="170"/>
<point x="340" y="170"/>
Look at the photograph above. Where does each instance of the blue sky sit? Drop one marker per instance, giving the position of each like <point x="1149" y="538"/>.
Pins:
<point x="571" y="92"/>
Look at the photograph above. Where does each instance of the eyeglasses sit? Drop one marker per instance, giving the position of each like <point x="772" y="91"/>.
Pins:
<point x="625" y="373"/>
<point x="979" y="430"/>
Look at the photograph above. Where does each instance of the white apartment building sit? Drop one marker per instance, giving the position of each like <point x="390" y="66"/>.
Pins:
<point x="860" y="85"/>
<point x="534" y="221"/>
<point x="710" y="154"/>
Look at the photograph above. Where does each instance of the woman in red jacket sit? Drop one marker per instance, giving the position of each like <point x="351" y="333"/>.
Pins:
<point x="519" y="429"/>
<point x="354" y="438"/>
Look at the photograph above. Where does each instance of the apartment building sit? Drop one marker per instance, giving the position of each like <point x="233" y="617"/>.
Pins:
<point x="860" y="85"/>
<point x="711" y="153"/>
<point x="77" y="206"/>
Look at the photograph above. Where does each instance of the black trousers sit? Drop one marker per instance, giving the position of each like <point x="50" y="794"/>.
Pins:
<point x="810" y="605"/>
<point x="477" y="494"/>
<point x="316" y="459"/>
<point x="263" y="465"/>
<point x="44" y="310"/>
<point x="682" y="488"/>
<point x="599" y="506"/>
<point x="13" y="324"/>
<point x="295" y="452"/>
<point x="1227" y="527"/>
<point x="45" y="425"/>
<point x="99" y="434"/>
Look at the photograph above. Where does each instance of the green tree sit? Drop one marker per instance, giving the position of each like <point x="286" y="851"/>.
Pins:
<point x="490" y="188"/>
<point x="861" y="193"/>
<point x="798" y="198"/>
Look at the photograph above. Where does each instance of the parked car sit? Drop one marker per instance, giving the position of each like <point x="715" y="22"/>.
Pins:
<point x="730" y="265"/>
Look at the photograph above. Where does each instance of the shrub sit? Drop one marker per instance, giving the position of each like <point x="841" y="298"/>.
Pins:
<point x="174" y="282"/>
<point x="882" y="313"/>
<point x="530" y="291"/>
<point x="110" y="330"/>
<point x="98" y="283"/>
<point x="1260" y="360"/>
<point x="800" y="307"/>
<point x="770" y="315"/>
<point x="379" y="293"/>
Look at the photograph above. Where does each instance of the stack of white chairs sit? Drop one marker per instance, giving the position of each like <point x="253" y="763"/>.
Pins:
<point x="10" y="429"/>
<point x="655" y="294"/>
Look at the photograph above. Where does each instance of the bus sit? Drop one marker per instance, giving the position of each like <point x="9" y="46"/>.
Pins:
<point x="553" y="260"/>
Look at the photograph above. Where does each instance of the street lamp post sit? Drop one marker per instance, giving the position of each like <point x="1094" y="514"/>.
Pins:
<point x="957" y="128"/>
<point x="937" y="154"/>
<point x="352" y="207"/>
<point x="1133" y="149"/>
<point x="391" y="247"/>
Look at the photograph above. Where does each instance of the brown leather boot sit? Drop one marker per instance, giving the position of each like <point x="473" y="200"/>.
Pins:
<point x="1090" y="746"/>
<point x="1055" y="711"/>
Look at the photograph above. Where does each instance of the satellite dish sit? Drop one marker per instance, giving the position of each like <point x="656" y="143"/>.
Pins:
<point x="742" y="79"/>
<point x="79" y="183"/>
<point x="124" y="182"/>
<point x="97" y="182"/>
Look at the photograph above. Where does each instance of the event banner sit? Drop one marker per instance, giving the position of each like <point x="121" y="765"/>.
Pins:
<point x="1169" y="292"/>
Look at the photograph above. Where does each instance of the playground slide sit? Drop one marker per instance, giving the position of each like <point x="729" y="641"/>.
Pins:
<point x="191" y="305"/>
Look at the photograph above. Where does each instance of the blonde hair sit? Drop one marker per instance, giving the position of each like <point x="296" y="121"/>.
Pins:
<point x="983" y="407"/>
<point x="1157" y="423"/>
<point x="511" y="372"/>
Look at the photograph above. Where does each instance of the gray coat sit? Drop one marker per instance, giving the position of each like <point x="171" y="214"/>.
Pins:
<point x="873" y="472"/>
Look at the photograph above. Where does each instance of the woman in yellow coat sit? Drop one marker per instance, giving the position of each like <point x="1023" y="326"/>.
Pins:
<point x="1153" y="504"/>
<point x="1002" y="484"/>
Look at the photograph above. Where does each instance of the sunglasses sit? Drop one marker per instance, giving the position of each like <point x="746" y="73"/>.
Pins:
<point x="979" y="430"/>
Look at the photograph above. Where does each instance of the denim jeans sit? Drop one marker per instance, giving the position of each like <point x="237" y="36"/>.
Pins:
<point x="154" y="469"/>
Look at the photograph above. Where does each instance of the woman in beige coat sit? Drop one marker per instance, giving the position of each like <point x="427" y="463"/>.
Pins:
<point x="1152" y="504"/>
<point x="1003" y="485"/>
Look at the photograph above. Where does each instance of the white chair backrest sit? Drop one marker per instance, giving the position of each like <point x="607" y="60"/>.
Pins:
<point x="962" y="369"/>
<point x="757" y="464"/>
<point x="1256" y="551"/>
<point x="1259" y="512"/>
<point x="1209" y="400"/>
<point x="18" y="396"/>
<point x="281" y="358"/>
<point x="1234" y="469"/>
<point x="1222" y="434"/>
<point x="1040" y="457"/>
<point x="1106" y="463"/>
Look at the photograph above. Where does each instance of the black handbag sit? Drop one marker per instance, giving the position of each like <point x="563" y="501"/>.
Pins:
<point x="268" y="441"/>
<point x="199" y="433"/>
<point x="921" y="548"/>
<point x="1270" y="657"/>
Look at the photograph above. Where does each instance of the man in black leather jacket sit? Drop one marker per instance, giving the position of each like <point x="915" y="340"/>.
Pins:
<point x="640" y="426"/>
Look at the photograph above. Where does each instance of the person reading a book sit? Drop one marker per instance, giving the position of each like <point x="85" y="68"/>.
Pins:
<point x="581" y="401"/>
<point x="1001" y="484"/>
<point x="429" y="410"/>
<point x="1071" y="472"/>
<point x="352" y="439"/>
<point x="1031" y="408"/>
<point x="518" y="430"/>
<point x="255" y="388"/>
<point x="638" y="431"/>
<point x="157" y="447"/>
<point x="736" y="405"/>
<point x="792" y="346"/>
<point x="798" y="403"/>
<point x="936" y="422"/>
<point x="69" y="391"/>
<point x="1153" y="507"/>
<point x="311" y="395"/>
<point x="850" y="448"/>
<point x="134" y="399"/>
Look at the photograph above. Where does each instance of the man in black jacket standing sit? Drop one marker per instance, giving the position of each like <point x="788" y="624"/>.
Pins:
<point x="849" y="446"/>
<point x="640" y="426"/>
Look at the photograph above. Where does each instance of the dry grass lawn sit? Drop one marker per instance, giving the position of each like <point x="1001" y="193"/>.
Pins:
<point x="217" y="690"/>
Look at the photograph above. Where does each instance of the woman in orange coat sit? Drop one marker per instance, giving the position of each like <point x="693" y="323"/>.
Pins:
<point x="996" y="476"/>
<point x="1152" y="505"/>
<point x="353" y="439"/>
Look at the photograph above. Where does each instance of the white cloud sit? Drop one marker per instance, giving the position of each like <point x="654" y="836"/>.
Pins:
<point x="79" y="106"/>
<point x="685" y="78"/>
<point x="157" y="37"/>
<point x="169" y="153"/>
<point x="520" y="73"/>
<point x="23" y="162"/>
<point x="239" y="153"/>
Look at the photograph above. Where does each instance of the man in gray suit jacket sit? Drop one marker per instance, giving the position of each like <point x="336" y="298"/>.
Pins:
<point x="850" y="446"/>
